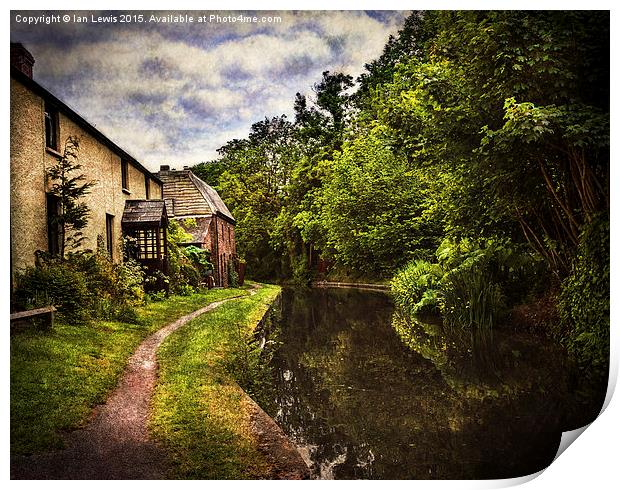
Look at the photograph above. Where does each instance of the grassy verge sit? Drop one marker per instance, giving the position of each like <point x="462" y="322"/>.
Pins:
<point x="58" y="376"/>
<point x="199" y="412"/>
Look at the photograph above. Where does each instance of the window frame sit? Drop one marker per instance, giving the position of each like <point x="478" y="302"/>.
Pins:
<point x="125" y="175"/>
<point x="109" y="234"/>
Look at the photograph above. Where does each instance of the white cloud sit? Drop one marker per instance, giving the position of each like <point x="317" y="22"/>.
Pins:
<point x="174" y="94"/>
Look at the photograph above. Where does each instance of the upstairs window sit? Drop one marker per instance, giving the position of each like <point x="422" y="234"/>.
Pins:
<point x="51" y="127"/>
<point x="125" y="175"/>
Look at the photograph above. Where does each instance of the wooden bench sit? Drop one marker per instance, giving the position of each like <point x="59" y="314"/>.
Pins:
<point x="42" y="318"/>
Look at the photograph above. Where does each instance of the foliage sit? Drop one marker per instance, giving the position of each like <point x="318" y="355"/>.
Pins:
<point x="200" y="258"/>
<point x="374" y="208"/>
<point x="54" y="283"/>
<point x="415" y="288"/>
<point x="72" y="215"/>
<point x="210" y="172"/>
<point x="184" y="272"/>
<point x="472" y="284"/>
<point x="233" y="276"/>
<point x="85" y="285"/>
<point x="584" y="301"/>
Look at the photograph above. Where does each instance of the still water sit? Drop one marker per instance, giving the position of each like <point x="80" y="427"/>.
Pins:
<point x="364" y="393"/>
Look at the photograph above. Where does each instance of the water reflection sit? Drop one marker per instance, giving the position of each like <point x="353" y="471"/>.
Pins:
<point x="362" y="401"/>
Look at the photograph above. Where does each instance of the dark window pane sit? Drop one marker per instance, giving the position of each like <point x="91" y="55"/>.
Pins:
<point x="109" y="229"/>
<point x="53" y="227"/>
<point x="51" y="127"/>
<point x="125" y="174"/>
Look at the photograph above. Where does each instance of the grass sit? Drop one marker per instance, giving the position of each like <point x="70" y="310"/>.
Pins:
<point x="58" y="376"/>
<point x="200" y="414"/>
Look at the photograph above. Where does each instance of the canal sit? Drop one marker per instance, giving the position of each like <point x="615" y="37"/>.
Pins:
<point x="365" y="393"/>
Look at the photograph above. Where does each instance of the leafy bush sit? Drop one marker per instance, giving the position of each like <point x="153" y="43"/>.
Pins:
<point x="183" y="270"/>
<point x="58" y="284"/>
<point x="415" y="287"/>
<point x="471" y="300"/>
<point x="85" y="285"/>
<point x="472" y="283"/>
<point x="584" y="301"/>
<point x="199" y="257"/>
<point x="233" y="277"/>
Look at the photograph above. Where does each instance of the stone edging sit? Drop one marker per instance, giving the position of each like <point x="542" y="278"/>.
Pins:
<point x="284" y="459"/>
<point x="357" y="285"/>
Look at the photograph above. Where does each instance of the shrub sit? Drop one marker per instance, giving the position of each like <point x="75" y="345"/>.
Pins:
<point x="584" y="301"/>
<point x="85" y="285"/>
<point x="472" y="283"/>
<point x="55" y="283"/>
<point x="471" y="300"/>
<point x="415" y="287"/>
<point x="233" y="277"/>
<point x="187" y="265"/>
<point x="200" y="258"/>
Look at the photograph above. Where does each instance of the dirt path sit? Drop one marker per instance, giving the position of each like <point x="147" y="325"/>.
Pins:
<point x="115" y="444"/>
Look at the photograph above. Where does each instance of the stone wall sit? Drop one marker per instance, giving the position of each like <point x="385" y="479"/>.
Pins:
<point x="29" y="161"/>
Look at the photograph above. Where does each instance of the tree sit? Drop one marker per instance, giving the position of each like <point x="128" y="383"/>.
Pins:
<point x="69" y="186"/>
<point x="210" y="172"/>
<point x="375" y="208"/>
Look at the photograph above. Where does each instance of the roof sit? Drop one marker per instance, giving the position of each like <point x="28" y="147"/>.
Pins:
<point x="79" y="120"/>
<point x="191" y="196"/>
<point x="142" y="213"/>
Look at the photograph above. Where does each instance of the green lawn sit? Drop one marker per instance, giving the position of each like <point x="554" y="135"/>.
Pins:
<point x="57" y="377"/>
<point x="199" y="412"/>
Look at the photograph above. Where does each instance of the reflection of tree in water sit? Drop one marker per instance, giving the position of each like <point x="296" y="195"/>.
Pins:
<point x="364" y="406"/>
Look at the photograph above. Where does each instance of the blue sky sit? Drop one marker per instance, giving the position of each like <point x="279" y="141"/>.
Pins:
<point x="174" y="93"/>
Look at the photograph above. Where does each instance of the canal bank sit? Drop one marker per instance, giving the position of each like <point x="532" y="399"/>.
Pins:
<point x="209" y="427"/>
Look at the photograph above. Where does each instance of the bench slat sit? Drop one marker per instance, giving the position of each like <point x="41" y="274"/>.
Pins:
<point x="29" y="313"/>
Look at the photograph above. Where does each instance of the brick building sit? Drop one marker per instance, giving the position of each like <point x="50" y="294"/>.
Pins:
<point x="201" y="211"/>
<point x="40" y="125"/>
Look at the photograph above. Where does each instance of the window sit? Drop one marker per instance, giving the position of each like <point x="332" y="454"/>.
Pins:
<point x="125" y="175"/>
<point x="51" y="127"/>
<point x="147" y="187"/>
<point x="53" y="227"/>
<point x="109" y="234"/>
<point x="148" y="245"/>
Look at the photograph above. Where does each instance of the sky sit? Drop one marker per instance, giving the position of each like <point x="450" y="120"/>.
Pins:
<point x="174" y="92"/>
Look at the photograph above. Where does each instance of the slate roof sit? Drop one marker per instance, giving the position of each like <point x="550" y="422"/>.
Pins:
<point x="141" y="213"/>
<point x="187" y="195"/>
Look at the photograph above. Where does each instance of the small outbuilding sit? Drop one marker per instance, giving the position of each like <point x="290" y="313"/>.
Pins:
<point x="202" y="213"/>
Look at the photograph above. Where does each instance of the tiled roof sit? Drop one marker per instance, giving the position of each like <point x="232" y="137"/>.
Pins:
<point x="191" y="196"/>
<point x="143" y="213"/>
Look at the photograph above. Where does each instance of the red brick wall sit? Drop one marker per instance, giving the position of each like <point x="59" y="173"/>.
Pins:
<point x="223" y="248"/>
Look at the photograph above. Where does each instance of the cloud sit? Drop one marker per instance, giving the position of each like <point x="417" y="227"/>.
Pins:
<point x="174" y="93"/>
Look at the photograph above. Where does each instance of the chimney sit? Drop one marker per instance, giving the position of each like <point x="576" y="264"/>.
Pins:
<point x="164" y="168"/>
<point x="21" y="59"/>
